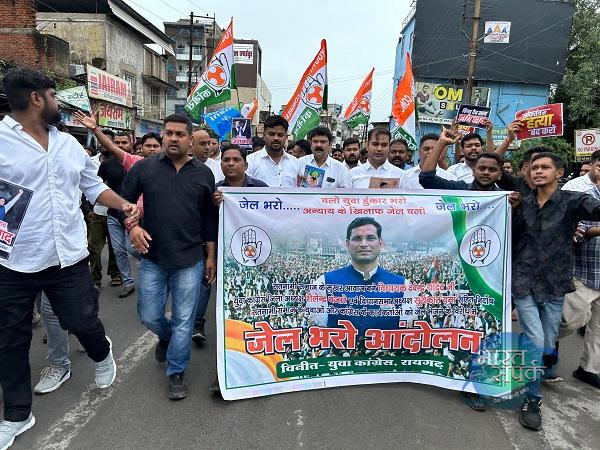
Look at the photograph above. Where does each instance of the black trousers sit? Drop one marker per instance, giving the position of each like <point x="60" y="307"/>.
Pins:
<point x="74" y="300"/>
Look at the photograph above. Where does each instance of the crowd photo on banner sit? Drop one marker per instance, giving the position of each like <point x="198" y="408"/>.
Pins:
<point x="443" y="247"/>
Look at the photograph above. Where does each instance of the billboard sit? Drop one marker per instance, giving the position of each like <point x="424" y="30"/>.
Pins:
<point x="532" y="49"/>
<point x="439" y="103"/>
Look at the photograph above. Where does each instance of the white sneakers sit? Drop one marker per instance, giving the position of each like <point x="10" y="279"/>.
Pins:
<point x="106" y="370"/>
<point x="10" y="430"/>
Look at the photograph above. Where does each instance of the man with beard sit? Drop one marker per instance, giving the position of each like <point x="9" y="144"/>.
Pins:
<point x="273" y="164"/>
<point x="179" y="222"/>
<point x="351" y="150"/>
<point x="426" y="146"/>
<point x="399" y="154"/>
<point x="471" y="146"/>
<point x="336" y="175"/>
<point x="50" y="253"/>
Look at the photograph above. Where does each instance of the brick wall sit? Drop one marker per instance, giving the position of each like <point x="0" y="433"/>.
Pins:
<point x="23" y="44"/>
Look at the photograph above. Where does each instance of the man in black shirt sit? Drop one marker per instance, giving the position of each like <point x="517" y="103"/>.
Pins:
<point x="543" y="230"/>
<point x="179" y="216"/>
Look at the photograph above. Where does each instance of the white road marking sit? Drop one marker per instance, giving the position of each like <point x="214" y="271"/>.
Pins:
<point x="64" y="430"/>
<point x="299" y="424"/>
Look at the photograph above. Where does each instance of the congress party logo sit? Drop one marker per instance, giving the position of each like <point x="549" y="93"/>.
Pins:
<point x="313" y="91"/>
<point x="217" y="75"/>
<point x="250" y="245"/>
<point x="480" y="246"/>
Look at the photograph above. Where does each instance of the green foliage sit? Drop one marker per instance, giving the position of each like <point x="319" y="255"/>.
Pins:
<point x="558" y="145"/>
<point x="580" y="88"/>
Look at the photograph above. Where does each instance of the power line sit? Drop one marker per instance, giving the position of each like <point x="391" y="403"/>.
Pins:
<point x="147" y="10"/>
<point x="195" y="5"/>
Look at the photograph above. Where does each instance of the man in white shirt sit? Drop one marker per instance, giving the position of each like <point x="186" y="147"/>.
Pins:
<point x="426" y="145"/>
<point x="351" y="150"/>
<point x="336" y="173"/>
<point x="49" y="252"/>
<point x="472" y="146"/>
<point x="377" y="164"/>
<point x="273" y="164"/>
<point x="201" y="151"/>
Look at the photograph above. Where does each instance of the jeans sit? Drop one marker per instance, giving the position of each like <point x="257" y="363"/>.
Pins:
<point x="58" y="339"/>
<point x="120" y="242"/>
<point x="202" y="306"/>
<point x="74" y="299"/>
<point x="540" y="322"/>
<point x="97" y="238"/>
<point x="154" y="286"/>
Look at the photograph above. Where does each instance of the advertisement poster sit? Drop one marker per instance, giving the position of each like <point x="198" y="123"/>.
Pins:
<point x="473" y="116"/>
<point x="586" y="143"/>
<point x="243" y="53"/>
<point x="75" y="97"/>
<point x="241" y="132"/>
<point x="497" y="32"/>
<point x="14" y="201"/>
<point x="541" y="121"/>
<point x="382" y="287"/>
<point x="439" y="103"/>
<point x="114" y="116"/>
<point x="105" y="86"/>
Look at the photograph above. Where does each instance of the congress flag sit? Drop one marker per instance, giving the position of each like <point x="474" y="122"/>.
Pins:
<point x="359" y="110"/>
<point x="403" y="109"/>
<point x="217" y="80"/>
<point x="303" y="110"/>
<point x="249" y="109"/>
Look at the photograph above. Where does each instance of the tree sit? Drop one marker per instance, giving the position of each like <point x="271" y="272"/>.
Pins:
<point x="558" y="145"/>
<point x="580" y="88"/>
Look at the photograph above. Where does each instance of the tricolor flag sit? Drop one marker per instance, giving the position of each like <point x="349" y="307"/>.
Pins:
<point x="434" y="271"/>
<point x="303" y="110"/>
<point x="217" y="80"/>
<point x="359" y="110"/>
<point x="403" y="109"/>
<point x="249" y="109"/>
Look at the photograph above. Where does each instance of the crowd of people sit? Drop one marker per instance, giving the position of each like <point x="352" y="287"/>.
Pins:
<point x="155" y="203"/>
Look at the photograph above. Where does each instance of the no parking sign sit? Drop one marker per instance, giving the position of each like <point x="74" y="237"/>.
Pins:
<point x="586" y="143"/>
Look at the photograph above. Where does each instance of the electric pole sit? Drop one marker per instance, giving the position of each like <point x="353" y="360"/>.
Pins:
<point x="473" y="51"/>
<point x="190" y="61"/>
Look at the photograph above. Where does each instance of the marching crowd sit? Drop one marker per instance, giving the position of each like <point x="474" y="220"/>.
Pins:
<point x="157" y="201"/>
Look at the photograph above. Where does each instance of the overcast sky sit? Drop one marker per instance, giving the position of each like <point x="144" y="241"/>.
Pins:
<point x="360" y="34"/>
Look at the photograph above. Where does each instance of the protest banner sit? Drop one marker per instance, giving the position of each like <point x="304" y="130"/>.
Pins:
<point x="586" y="143"/>
<point x="303" y="111"/>
<point x="496" y="32"/>
<point x="105" y="86"/>
<point x="499" y="134"/>
<point x="114" y="116"/>
<point x="473" y="116"/>
<point x="439" y="103"/>
<point x="241" y="132"/>
<point x="403" y="108"/>
<point x="359" y="109"/>
<point x="75" y="97"/>
<point x="14" y="201"/>
<point x="432" y="295"/>
<point x="218" y="79"/>
<point x="220" y="121"/>
<point x="541" y="121"/>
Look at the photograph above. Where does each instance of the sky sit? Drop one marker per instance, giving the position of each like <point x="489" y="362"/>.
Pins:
<point x="360" y="35"/>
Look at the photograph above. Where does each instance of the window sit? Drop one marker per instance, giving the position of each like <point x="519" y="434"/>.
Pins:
<point x="180" y="48"/>
<point x="128" y="76"/>
<point x="155" y="94"/>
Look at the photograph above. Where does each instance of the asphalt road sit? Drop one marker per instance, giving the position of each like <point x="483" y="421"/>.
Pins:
<point x="135" y="412"/>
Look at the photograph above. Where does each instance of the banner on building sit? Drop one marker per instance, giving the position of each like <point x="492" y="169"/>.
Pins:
<point x="295" y="313"/>
<point x="14" y="201"/>
<point x="243" y="53"/>
<point x="586" y="143"/>
<point x="541" y="121"/>
<point x="473" y="116"/>
<point x="76" y="97"/>
<point x="218" y="79"/>
<point x="359" y="109"/>
<point x="105" y="86"/>
<point x="403" y="108"/>
<point x="497" y="32"/>
<point x="241" y="132"/>
<point x="439" y="103"/>
<point x="114" y="116"/>
<point x="303" y="111"/>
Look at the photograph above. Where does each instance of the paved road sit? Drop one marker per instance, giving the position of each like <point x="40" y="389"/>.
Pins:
<point x="135" y="413"/>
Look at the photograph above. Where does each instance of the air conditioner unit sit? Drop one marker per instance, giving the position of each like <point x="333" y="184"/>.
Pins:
<point x="76" y="69"/>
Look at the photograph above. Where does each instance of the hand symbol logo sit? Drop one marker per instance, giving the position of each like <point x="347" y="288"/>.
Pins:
<point x="479" y="248"/>
<point x="250" y="247"/>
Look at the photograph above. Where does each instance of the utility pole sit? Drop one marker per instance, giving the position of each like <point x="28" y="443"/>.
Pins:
<point x="190" y="61"/>
<point x="473" y="51"/>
